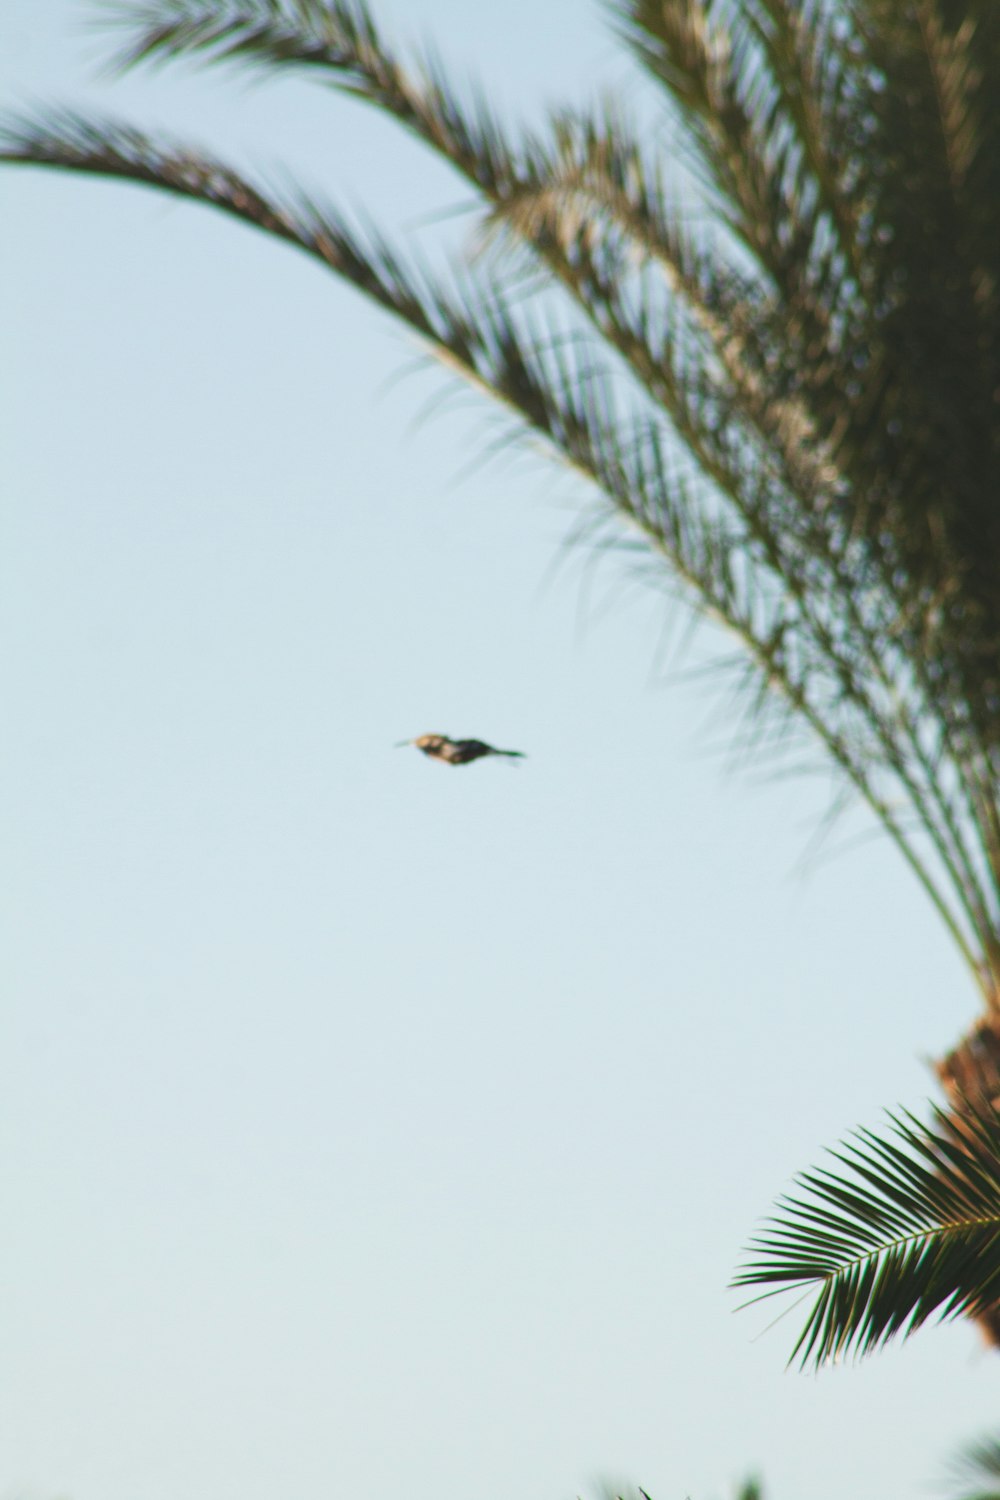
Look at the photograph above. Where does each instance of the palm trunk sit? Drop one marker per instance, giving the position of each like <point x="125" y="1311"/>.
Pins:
<point x="970" y="1077"/>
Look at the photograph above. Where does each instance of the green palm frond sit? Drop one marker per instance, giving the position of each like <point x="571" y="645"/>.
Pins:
<point x="750" y="1490"/>
<point x="909" y="1230"/>
<point x="975" y="1473"/>
<point x="794" y="403"/>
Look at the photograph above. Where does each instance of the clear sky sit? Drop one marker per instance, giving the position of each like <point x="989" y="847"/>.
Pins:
<point x="372" y="1127"/>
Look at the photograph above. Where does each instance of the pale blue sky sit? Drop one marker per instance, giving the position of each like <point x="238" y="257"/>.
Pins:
<point x="372" y="1127"/>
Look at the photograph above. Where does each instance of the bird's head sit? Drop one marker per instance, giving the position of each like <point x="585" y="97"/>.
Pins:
<point x="424" y="742"/>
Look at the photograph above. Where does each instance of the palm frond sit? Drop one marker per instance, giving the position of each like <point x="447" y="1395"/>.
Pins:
<point x="333" y="41"/>
<point x="908" y="1230"/>
<point x="975" y="1473"/>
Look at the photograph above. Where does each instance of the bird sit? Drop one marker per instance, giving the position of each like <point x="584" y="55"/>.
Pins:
<point x="456" y="752"/>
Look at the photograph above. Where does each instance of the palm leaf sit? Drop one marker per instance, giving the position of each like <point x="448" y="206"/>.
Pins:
<point x="976" y="1472"/>
<point x="909" y="1229"/>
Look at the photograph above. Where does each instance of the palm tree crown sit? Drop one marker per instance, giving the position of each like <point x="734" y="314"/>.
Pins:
<point x="798" y="407"/>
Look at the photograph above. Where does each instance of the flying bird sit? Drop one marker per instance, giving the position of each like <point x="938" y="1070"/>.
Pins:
<point x="456" y="752"/>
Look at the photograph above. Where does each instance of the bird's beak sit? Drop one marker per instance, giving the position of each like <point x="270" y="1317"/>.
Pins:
<point x="400" y="744"/>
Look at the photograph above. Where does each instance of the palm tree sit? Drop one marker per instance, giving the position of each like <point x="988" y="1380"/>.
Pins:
<point x="792" y="393"/>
